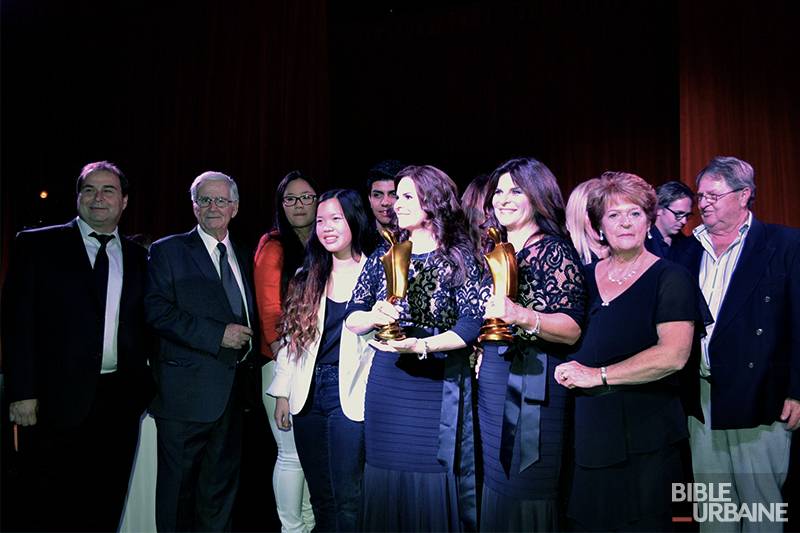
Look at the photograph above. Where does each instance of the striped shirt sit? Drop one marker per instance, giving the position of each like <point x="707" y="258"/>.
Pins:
<point x="715" y="276"/>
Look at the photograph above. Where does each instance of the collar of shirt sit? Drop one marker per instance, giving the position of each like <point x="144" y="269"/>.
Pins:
<point x="211" y="246"/>
<point x="86" y="229"/>
<point x="702" y="234"/>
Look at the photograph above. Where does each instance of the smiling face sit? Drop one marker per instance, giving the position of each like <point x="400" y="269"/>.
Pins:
<point x="214" y="220"/>
<point x="332" y="229"/>
<point x="625" y="225"/>
<point x="672" y="220"/>
<point x="299" y="214"/>
<point x="100" y="201"/>
<point x="512" y="207"/>
<point x="382" y="196"/>
<point x="728" y="211"/>
<point x="408" y="209"/>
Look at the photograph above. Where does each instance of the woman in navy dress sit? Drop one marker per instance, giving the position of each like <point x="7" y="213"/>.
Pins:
<point x="419" y="473"/>
<point x="629" y="421"/>
<point x="522" y="411"/>
<point x="320" y="371"/>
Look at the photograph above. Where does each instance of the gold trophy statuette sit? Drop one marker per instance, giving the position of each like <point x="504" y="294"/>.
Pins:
<point x="503" y="266"/>
<point x="395" y="263"/>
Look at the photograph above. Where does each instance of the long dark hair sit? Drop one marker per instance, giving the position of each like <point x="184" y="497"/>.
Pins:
<point x="293" y="247"/>
<point x="438" y="197"/>
<point x="299" y="318"/>
<point x="540" y="186"/>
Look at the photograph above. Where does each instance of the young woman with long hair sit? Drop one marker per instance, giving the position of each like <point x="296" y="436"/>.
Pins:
<point x="322" y="367"/>
<point x="278" y="256"/>
<point x="419" y="473"/>
<point x="523" y="412"/>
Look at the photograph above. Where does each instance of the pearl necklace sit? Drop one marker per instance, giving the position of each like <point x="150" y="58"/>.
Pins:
<point x="628" y="275"/>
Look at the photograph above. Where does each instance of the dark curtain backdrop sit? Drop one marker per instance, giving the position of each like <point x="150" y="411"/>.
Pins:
<point x="257" y="88"/>
<point x="254" y="89"/>
<point x="740" y="95"/>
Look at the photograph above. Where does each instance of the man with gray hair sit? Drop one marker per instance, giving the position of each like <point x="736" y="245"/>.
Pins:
<point x="199" y="300"/>
<point x="749" y="361"/>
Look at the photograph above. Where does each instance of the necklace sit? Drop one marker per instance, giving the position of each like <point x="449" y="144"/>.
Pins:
<point x="630" y="272"/>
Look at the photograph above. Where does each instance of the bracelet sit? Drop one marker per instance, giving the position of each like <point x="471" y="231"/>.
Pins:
<point x="604" y="376"/>
<point x="537" y="326"/>
<point x="424" y="354"/>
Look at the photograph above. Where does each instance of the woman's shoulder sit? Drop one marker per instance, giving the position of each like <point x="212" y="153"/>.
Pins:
<point x="269" y="244"/>
<point x="673" y="274"/>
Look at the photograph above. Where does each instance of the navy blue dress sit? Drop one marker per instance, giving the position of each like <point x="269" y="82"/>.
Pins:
<point x="521" y="409"/>
<point x="627" y="439"/>
<point x="418" y="433"/>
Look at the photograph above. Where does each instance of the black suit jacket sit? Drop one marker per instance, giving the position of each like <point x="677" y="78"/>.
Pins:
<point x="755" y="348"/>
<point x="186" y="305"/>
<point x="53" y="326"/>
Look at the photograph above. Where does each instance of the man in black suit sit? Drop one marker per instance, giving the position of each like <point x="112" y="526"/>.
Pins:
<point x="200" y="302"/>
<point x="749" y="362"/>
<point x="75" y="357"/>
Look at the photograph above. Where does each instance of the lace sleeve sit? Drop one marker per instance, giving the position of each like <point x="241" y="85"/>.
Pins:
<point x="371" y="285"/>
<point x="551" y="279"/>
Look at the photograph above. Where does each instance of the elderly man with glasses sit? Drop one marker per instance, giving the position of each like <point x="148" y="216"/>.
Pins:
<point x="674" y="209"/>
<point x="749" y="361"/>
<point x="200" y="302"/>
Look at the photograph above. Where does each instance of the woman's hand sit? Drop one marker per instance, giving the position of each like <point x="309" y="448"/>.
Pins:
<point x="500" y="306"/>
<point x="384" y="313"/>
<point x="282" y="414"/>
<point x="575" y="375"/>
<point x="407" y="345"/>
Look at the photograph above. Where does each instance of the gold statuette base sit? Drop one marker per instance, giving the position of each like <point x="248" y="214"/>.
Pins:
<point x="494" y="329"/>
<point x="390" y="332"/>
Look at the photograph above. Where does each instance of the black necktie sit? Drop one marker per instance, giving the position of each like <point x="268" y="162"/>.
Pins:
<point x="101" y="267"/>
<point x="229" y="283"/>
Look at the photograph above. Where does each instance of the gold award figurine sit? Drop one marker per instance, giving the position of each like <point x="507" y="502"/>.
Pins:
<point x="503" y="266"/>
<point x="395" y="263"/>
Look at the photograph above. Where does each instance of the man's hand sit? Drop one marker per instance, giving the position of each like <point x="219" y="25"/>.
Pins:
<point x="24" y="412"/>
<point x="791" y="414"/>
<point x="236" y="336"/>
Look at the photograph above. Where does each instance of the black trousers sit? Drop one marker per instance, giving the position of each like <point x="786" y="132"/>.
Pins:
<point x="198" y="470"/>
<point x="76" y="479"/>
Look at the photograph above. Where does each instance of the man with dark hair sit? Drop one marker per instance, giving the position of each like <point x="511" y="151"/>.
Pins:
<point x="75" y="355"/>
<point x="200" y="302"/>
<point x="749" y="361"/>
<point x="381" y="195"/>
<point x="674" y="208"/>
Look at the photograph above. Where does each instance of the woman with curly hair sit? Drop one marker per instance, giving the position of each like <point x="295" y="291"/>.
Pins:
<point x="419" y="473"/>
<point x="321" y="367"/>
<point x="523" y="412"/>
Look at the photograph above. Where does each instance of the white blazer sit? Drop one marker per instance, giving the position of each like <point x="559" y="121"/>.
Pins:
<point x="293" y="378"/>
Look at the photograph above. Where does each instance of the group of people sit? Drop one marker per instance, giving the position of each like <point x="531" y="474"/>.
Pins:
<point x="627" y="344"/>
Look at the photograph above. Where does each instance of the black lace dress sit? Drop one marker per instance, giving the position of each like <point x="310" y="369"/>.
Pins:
<point x="417" y="432"/>
<point x="523" y="412"/>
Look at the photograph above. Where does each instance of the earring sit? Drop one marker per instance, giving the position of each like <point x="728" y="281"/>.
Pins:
<point x="602" y="237"/>
<point x="649" y="235"/>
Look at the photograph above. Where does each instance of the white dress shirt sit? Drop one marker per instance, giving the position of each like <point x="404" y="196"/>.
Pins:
<point x="113" y="292"/>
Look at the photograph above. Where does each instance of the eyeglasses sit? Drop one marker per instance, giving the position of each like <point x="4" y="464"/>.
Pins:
<point x="219" y="201"/>
<point x="711" y="198"/>
<point x="679" y="215"/>
<point x="305" y="199"/>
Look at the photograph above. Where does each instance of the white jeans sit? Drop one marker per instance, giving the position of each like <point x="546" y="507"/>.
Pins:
<point x="288" y="480"/>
